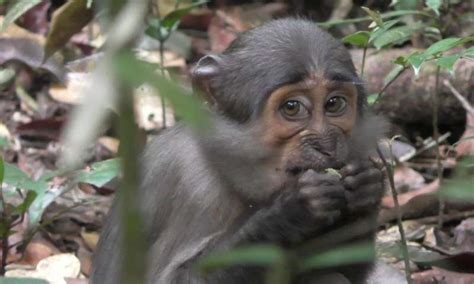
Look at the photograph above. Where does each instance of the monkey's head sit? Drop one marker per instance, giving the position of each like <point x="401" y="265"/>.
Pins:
<point x="296" y="84"/>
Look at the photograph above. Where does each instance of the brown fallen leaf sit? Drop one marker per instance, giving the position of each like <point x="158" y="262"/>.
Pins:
<point x="68" y="20"/>
<point x="388" y="202"/>
<point x="441" y="276"/>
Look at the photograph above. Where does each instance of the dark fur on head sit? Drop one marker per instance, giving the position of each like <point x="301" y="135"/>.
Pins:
<point x="282" y="52"/>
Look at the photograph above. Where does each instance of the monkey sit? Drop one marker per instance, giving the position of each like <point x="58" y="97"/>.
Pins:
<point x="286" y="104"/>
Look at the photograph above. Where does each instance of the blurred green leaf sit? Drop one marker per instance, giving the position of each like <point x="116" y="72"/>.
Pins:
<point x="2" y="171"/>
<point x="448" y="61"/>
<point x="100" y="172"/>
<point x="443" y="45"/>
<point x="434" y="5"/>
<point x="7" y="76"/>
<point x="89" y="3"/>
<point x="17" y="178"/>
<point x="401" y="60"/>
<point x="372" y="98"/>
<point x="27" y="201"/>
<point x="343" y="255"/>
<point x="12" y="280"/>
<point x="461" y="186"/>
<point x="468" y="52"/>
<point x="375" y="16"/>
<point x="161" y="30"/>
<point x="17" y="10"/>
<point x="378" y="31"/>
<point x="68" y="20"/>
<point x="416" y="59"/>
<point x="135" y="72"/>
<point x="263" y="255"/>
<point x="397" y="35"/>
<point x="396" y="70"/>
<point x="171" y="20"/>
<point x="360" y="38"/>
<point x="3" y="141"/>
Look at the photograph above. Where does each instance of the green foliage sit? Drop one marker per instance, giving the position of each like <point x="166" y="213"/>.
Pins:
<point x="461" y="186"/>
<point x="343" y="255"/>
<point x="100" y="173"/>
<point x="261" y="255"/>
<point x="12" y="280"/>
<point x="17" y="10"/>
<point x="161" y="29"/>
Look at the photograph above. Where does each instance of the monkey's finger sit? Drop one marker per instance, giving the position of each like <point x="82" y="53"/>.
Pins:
<point x="312" y="192"/>
<point x="370" y="176"/>
<point x="311" y="177"/>
<point x="368" y="197"/>
<point x="355" y="168"/>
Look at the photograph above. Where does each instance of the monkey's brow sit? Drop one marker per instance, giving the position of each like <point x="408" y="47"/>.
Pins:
<point x="340" y="78"/>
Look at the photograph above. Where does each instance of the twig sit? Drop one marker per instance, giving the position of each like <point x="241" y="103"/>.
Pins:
<point x="6" y="222"/>
<point x="436" y="137"/>
<point x="363" y="62"/>
<point x="466" y="105"/>
<point x="390" y="83"/>
<point x="391" y="180"/>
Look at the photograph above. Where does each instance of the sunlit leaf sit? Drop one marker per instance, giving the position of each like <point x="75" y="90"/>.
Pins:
<point x="397" y="69"/>
<point x="17" y="10"/>
<point x="89" y="3"/>
<point x="100" y="173"/>
<point x="416" y="59"/>
<point x="434" y="5"/>
<point x="68" y="20"/>
<point x="360" y="38"/>
<point x="17" y="178"/>
<point x="372" y="98"/>
<point x="262" y="255"/>
<point x="375" y="16"/>
<point x="443" y="45"/>
<point x="448" y="61"/>
<point x="343" y="255"/>
<point x="397" y="35"/>
<point x="468" y="52"/>
<point x="132" y="71"/>
<point x="378" y="31"/>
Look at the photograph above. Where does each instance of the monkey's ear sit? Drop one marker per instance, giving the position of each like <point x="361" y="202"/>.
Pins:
<point x="206" y="68"/>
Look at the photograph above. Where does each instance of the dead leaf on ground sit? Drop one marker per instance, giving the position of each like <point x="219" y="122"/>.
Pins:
<point x="441" y="276"/>
<point x="404" y="198"/>
<point x="68" y="20"/>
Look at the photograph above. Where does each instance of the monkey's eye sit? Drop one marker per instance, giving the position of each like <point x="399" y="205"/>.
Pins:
<point x="293" y="109"/>
<point x="335" y="105"/>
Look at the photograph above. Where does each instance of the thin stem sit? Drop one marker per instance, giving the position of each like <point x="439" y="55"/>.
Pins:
<point x="390" y="83"/>
<point x="363" y="62"/>
<point x="406" y="258"/>
<point x="7" y="224"/>
<point x="435" y="101"/>
<point x="163" y="103"/>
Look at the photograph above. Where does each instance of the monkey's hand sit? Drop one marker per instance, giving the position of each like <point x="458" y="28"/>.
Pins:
<point x="364" y="186"/>
<point x="323" y="196"/>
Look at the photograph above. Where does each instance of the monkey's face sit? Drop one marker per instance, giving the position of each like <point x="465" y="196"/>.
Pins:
<point x="309" y="124"/>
